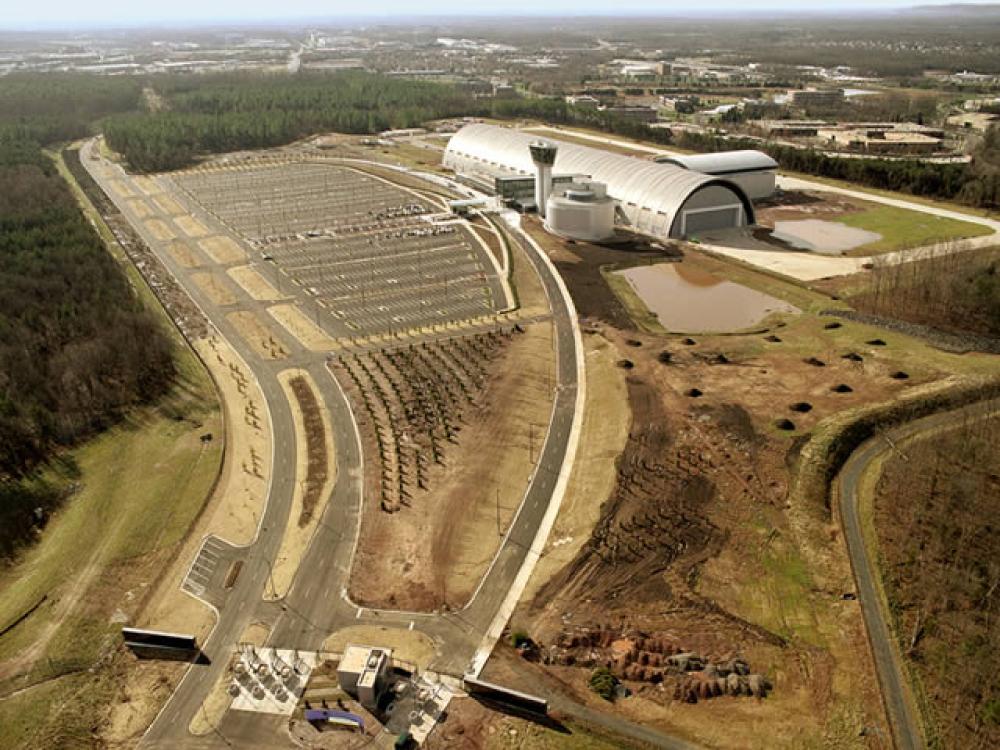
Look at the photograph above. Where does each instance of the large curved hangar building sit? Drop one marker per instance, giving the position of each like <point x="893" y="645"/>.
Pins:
<point x="663" y="200"/>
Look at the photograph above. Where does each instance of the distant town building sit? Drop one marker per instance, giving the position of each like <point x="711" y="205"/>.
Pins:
<point x="682" y="105"/>
<point x="816" y="97"/>
<point x="639" y="113"/>
<point x="585" y="101"/>
<point x="882" y="140"/>
<point x="980" y="121"/>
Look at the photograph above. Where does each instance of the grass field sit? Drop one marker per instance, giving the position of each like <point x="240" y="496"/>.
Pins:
<point x="138" y="487"/>
<point x="901" y="228"/>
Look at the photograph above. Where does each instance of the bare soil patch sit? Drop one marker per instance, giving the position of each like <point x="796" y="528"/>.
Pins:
<point x="694" y="540"/>
<point x="450" y="432"/>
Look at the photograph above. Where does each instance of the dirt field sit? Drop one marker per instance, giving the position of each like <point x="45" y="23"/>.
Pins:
<point x="258" y="334"/>
<point x="191" y="226"/>
<point x="213" y="285"/>
<point x="433" y="553"/>
<point x="297" y="323"/>
<point x="159" y="229"/>
<point x="255" y="284"/>
<point x="222" y="250"/>
<point x="302" y="523"/>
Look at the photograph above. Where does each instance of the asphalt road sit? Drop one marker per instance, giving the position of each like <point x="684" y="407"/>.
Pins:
<point x="317" y="602"/>
<point x="904" y="719"/>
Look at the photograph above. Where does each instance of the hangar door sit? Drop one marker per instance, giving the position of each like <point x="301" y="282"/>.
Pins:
<point x="698" y="220"/>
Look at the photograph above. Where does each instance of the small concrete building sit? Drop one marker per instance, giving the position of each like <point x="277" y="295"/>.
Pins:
<point x="363" y="673"/>
<point x="754" y="171"/>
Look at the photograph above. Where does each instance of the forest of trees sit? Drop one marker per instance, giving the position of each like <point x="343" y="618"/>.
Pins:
<point x="935" y="511"/>
<point x="51" y="107"/>
<point x="953" y="293"/>
<point x="77" y="348"/>
<point x="228" y="113"/>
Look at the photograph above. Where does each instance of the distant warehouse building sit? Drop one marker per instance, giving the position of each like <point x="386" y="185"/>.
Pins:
<point x="754" y="171"/>
<point x="662" y="200"/>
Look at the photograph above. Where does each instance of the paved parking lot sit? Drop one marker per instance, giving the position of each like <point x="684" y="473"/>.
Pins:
<point x="377" y="258"/>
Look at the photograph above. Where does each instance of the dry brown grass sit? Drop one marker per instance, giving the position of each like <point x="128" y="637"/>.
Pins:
<point x="297" y="323"/>
<point x="222" y="250"/>
<point x="258" y="334"/>
<point x="217" y="290"/>
<point x="254" y="283"/>
<point x="159" y="229"/>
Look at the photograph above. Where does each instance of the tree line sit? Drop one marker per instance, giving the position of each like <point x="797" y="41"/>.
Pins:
<point x="77" y="348"/>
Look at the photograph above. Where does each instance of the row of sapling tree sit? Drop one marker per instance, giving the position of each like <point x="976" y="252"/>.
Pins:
<point x="414" y="400"/>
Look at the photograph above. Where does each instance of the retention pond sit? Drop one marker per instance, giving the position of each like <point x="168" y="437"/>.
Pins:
<point x="687" y="300"/>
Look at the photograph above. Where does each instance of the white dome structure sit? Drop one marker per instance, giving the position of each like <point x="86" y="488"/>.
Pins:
<point x="662" y="200"/>
<point x="582" y="212"/>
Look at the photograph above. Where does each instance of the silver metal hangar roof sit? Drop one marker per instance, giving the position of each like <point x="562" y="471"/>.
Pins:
<point x="659" y="199"/>
<point x="724" y="162"/>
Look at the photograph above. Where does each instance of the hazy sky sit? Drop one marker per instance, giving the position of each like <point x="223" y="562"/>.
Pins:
<point x="49" y="13"/>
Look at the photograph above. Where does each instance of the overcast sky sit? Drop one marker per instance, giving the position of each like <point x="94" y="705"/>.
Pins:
<point x="61" y="13"/>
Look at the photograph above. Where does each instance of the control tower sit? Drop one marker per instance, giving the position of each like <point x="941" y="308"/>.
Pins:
<point x="543" y="154"/>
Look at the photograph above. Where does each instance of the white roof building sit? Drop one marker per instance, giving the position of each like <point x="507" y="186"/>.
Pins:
<point x="662" y="200"/>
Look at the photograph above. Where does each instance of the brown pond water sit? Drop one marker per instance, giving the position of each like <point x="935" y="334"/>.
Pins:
<point x="691" y="301"/>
